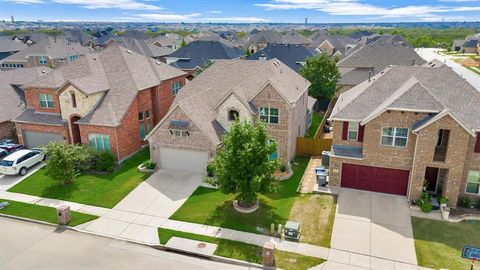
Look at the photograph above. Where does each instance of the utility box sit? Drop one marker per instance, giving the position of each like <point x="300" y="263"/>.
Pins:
<point x="64" y="215"/>
<point x="292" y="231"/>
<point x="268" y="254"/>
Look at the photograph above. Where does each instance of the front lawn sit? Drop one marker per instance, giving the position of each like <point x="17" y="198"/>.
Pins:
<point x="243" y="251"/>
<point x="439" y="244"/>
<point x="99" y="190"/>
<point x="212" y="207"/>
<point x="42" y="213"/>
<point x="315" y="213"/>
<point x="316" y="121"/>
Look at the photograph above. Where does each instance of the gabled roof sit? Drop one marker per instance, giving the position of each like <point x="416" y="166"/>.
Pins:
<point x="420" y="89"/>
<point x="375" y="57"/>
<point x="289" y="54"/>
<point x="265" y="36"/>
<point x="199" y="53"/>
<point x="77" y="35"/>
<point x="141" y="46"/>
<point x="337" y="41"/>
<point x="293" y="37"/>
<point x="9" y="45"/>
<point x="472" y="43"/>
<point x="245" y="79"/>
<point x="55" y="48"/>
<point x="118" y="72"/>
<point x="12" y="101"/>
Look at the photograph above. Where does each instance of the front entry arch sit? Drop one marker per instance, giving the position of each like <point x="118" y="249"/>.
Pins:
<point x="75" y="128"/>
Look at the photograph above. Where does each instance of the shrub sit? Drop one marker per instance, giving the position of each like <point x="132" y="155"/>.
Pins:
<point x="149" y="165"/>
<point x="465" y="201"/>
<point x="283" y="167"/>
<point x="210" y="170"/>
<point x="443" y="200"/>
<point x="426" y="207"/>
<point x="105" y="162"/>
<point x="65" y="161"/>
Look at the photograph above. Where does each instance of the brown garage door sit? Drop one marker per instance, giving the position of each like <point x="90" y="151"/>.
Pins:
<point x="375" y="179"/>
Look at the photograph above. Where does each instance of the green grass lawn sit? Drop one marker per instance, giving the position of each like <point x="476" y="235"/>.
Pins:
<point x="243" y="251"/>
<point x="439" y="244"/>
<point x="316" y="121"/>
<point x="99" y="190"/>
<point x="42" y="213"/>
<point x="212" y="207"/>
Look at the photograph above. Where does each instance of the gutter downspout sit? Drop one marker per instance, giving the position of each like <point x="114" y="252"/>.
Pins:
<point x="116" y="142"/>
<point x="413" y="166"/>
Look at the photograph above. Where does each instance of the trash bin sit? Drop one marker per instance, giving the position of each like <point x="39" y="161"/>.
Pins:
<point x="63" y="214"/>
<point x="322" y="178"/>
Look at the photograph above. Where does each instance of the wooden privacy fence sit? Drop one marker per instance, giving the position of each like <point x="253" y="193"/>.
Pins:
<point x="313" y="147"/>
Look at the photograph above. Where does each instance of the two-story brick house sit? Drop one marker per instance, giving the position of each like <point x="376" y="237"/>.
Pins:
<point x="268" y="90"/>
<point x="405" y="128"/>
<point x="109" y="100"/>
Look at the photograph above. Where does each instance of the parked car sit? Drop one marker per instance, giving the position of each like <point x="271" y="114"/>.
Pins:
<point x="20" y="162"/>
<point x="6" y="141"/>
<point x="3" y="154"/>
<point x="11" y="147"/>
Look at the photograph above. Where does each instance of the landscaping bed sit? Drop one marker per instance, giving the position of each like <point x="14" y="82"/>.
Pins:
<point x="42" y="213"/>
<point x="243" y="251"/>
<point x="98" y="190"/>
<point x="439" y="244"/>
<point x="212" y="207"/>
<point x="316" y="214"/>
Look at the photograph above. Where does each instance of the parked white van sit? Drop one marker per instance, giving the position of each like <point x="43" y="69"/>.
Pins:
<point x="19" y="162"/>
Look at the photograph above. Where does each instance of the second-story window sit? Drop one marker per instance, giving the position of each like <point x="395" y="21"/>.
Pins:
<point x="393" y="136"/>
<point x="269" y="115"/>
<point x="43" y="60"/>
<point x="175" y="87"/>
<point x="74" y="100"/>
<point x="352" y="131"/>
<point x="46" y="100"/>
<point x="145" y="123"/>
<point x="72" y="58"/>
<point x="233" y="115"/>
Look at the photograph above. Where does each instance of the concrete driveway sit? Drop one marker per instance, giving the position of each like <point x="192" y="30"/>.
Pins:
<point x="8" y="181"/>
<point x="146" y="208"/>
<point x="374" y="224"/>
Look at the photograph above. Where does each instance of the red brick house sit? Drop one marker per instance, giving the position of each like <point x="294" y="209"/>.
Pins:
<point x="109" y="100"/>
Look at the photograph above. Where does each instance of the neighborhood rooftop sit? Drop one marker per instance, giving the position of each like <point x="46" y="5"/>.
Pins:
<point x="437" y="90"/>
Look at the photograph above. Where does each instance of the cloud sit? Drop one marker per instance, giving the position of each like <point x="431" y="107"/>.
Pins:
<point x="97" y="4"/>
<point x="356" y="8"/>
<point x="215" y="11"/>
<point x="168" y="16"/>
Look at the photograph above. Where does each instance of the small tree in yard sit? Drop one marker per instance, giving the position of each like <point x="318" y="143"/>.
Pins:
<point x="65" y="161"/>
<point x="243" y="165"/>
<point x="322" y="72"/>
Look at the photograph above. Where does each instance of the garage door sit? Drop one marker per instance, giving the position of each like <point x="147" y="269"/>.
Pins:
<point x="33" y="139"/>
<point x="375" y="179"/>
<point x="183" y="160"/>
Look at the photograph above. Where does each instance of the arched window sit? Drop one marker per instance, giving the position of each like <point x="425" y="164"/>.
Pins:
<point x="233" y="115"/>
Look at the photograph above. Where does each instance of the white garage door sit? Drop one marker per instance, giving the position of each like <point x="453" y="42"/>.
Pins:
<point x="33" y="139"/>
<point x="183" y="160"/>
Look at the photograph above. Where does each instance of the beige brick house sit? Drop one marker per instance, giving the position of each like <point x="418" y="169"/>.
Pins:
<point x="188" y="137"/>
<point x="407" y="127"/>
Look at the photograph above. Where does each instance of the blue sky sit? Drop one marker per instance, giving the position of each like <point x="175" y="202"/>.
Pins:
<point x="291" y="11"/>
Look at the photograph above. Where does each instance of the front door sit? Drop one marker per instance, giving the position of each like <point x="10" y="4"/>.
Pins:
<point x="431" y="176"/>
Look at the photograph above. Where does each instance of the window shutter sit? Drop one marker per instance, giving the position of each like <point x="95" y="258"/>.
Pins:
<point x="361" y="130"/>
<point x="477" y="144"/>
<point x="345" y="131"/>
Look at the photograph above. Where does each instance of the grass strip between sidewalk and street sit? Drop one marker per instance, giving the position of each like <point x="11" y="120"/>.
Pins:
<point x="243" y="251"/>
<point x="42" y="213"/>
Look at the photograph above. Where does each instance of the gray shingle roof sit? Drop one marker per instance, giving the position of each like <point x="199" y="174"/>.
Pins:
<point x="119" y="72"/>
<point x="289" y="54"/>
<point x="30" y="116"/>
<point x="199" y="53"/>
<point x="245" y="78"/>
<point x="375" y="57"/>
<point x="9" y="45"/>
<point x="142" y="47"/>
<point x="12" y="97"/>
<point x="431" y="89"/>
<point x="55" y="48"/>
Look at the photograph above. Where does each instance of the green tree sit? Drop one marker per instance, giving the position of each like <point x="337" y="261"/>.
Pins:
<point x="65" y="161"/>
<point x="248" y="53"/>
<point x="183" y="44"/>
<point x="322" y="72"/>
<point x="243" y="164"/>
